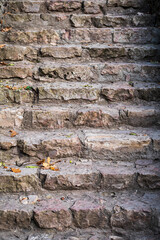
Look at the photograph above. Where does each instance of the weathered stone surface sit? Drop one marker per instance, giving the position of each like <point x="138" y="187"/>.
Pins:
<point x="132" y="215"/>
<point x="121" y="21"/>
<point x="53" y="118"/>
<point x="54" y="144"/>
<point x="117" y="177"/>
<point x="71" y="73"/>
<point x="105" y="53"/>
<point x="126" y="3"/>
<point x="136" y="35"/>
<point x="91" y="7"/>
<point x="11" y="219"/>
<point x="15" y="72"/>
<point x="11" y="117"/>
<point x="72" y="176"/>
<point x="116" y="145"/>
<point x="118" y="93"/>
<point x="25" y="37"/>
<point x="64" y="6"/>
<point x="26" y="7"/>
<point x="15" y="96"/>
<point x="53" y="215"/>
<point x="13" y="53"/>
<point x="96" y="117"/>
<point x="61" y="52"/>
<point x="88" y="35"/>
<point x="149" y="177"/>
<point x="130" y="72"/>
<point x="56" y="21"/>
<point x="66" y="92"/>
<point x="6" y="144"/>
<point x="25" y="181"/>
<point x="89" y="214"/>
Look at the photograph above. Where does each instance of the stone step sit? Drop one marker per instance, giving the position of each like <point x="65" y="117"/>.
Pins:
<point x="75" y="116"/>
<point x="79" y="92"/>
<point x="89" y="7"/>
<point x="128" y="35"/>
<point x="63" y="21"/>
<point x="82" y="174"/>
<point x="80" y="53"/>
<point x="93" y="72"/>
<point x="110" y="145"/>
<point x="83" y="210"/>
<point x="121" y="145"/>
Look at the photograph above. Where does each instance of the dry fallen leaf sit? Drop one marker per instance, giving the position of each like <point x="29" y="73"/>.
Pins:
<point x="15" y="170"/>
<point x="3" y="63"/>
<point x="40" y="162"/>
<point x="6" y="29"/>
<point x="2" y="45"/>
<point x="54" y="168"/>
<point x="48" y="160"/>
<point x="46" y="165"/>
<point x="13" y="133"/>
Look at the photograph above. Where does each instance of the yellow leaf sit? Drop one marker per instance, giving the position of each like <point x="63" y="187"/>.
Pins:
<point x="48" y="160"/>
<point x="46" y="165"/>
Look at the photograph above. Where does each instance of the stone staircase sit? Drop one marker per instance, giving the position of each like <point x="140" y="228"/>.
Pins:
<point x="79" y="83"/>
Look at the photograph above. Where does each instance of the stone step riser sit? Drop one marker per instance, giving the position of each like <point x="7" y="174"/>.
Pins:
<point x="20" y="21"/>
<point x="81" y="213"/>
<point x="84" y="73"/>
<point x="84" y="36"/>
<point x="86" y="177"/>
<point x="85" y="117"/>
<point x="98" y="145"/>
<point x="76" y="6"/>
<point x="80" y="93"/>
<point x="68" y="54"/>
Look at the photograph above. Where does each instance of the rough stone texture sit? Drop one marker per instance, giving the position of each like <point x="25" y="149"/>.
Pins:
<point x="115" y="145"/>
<point x="62" y="52"/>
<point x="76" y="175"/>
<point x="69" y="91"/>
<point x="16" y="96"/>
<point x="53" y="215"/>
<point x="64" y="6"/>
<point x="56" y="145"/>
<point x="89" y="214"/>
<point x="15" y="72"/>
<point x="19" y="182"/>
<point x="12" y="219"/>
<point x="132" y="215"/>
<point x="136" y="36"/>
<point x="11" y="118"/>
<point x="93" y="108"/>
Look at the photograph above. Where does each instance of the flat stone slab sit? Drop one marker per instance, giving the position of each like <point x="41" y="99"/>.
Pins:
<point x="81" y="174"/>
<point x="73" y="210"/>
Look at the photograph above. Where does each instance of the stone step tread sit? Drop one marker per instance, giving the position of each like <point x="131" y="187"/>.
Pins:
<point x="61" y="21"/>
<point x="82" y="210"/>
<point x="61" y="116"/>
<point x="80" y="53"/>
<point x="127" y="35"/>
<point x="94" y="71"/>
<point x="82" y="174"/>
<point x="82" y="92"/>
<point x="112" y="145"/>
